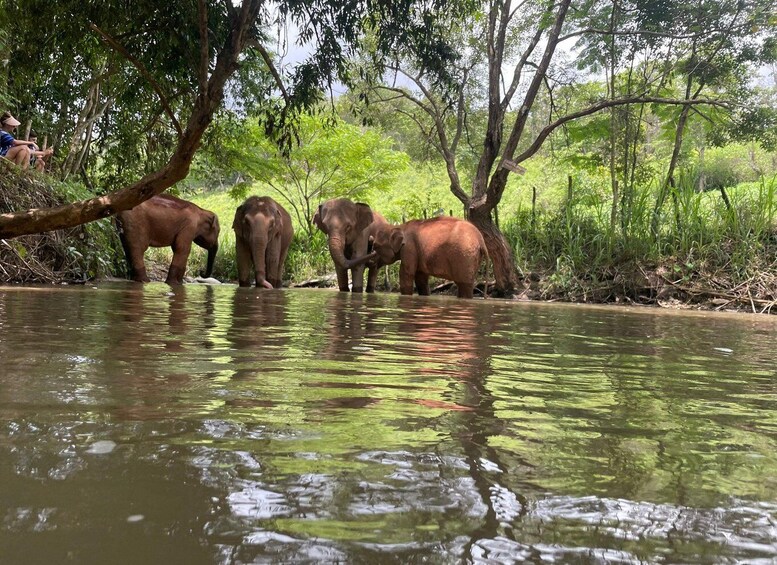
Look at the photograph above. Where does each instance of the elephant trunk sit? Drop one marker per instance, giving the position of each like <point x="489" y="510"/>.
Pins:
<point x="211" y="260"/>
<point x="357" y="261"/>
<point x="336" y="250"/>
<point x="259" y="252"/>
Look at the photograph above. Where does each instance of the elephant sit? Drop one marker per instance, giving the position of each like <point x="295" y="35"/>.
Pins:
<point x="349" y="226"/>
<point x="263" y="233"/>
<point x="166" y="220"/>
<point x="444" y="247"/>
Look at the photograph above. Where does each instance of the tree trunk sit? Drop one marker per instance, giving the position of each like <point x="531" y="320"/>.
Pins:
<point x="92" y="99"/>
<point x="669" y="182"/>
<point x="499" y="251"/>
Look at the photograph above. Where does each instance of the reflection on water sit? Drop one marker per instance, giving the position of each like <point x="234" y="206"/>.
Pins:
<point x="225" y="425"/>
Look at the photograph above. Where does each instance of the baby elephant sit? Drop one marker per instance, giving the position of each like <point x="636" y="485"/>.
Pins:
<point x="443" y="247"/>
<point x="263" y="234"/>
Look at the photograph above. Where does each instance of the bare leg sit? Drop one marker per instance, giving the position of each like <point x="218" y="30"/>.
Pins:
<point x="19" y="155"/>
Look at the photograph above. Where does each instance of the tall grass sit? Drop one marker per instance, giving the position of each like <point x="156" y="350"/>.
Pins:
<point x="697" y="231"/>
<point x="572" y="240"/>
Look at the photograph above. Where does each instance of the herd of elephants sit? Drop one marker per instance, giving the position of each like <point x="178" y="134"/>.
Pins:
<point x="359" y="238"/>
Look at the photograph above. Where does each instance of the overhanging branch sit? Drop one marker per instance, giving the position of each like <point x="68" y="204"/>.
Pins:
<point x="39" y="220"/>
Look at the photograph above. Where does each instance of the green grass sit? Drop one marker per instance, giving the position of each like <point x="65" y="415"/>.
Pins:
<point x="571" y="242"/>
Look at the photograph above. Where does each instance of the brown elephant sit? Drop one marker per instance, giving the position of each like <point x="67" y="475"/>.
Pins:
<point x="348" y="226"/>
<point x="263" y="234"/>
<point x="445" y="247"/>
<point x="163" y="221"/>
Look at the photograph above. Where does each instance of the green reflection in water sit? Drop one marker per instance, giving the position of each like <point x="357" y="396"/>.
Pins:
<point x="321" y="426"/>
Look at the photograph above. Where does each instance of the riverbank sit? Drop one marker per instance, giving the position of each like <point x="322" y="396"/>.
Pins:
<point x="668" y="286"/>
<point x="562" y="257"/>
<point x="72" y="255"/>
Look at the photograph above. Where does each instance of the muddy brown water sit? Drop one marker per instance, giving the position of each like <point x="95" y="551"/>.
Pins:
<point x="144" y="424"/>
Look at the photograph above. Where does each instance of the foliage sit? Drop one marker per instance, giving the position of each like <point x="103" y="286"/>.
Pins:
<point x="78" y="254"/>
<point x="333" y="159"/>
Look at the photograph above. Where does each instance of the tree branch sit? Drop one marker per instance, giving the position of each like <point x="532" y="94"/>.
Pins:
<point x="649" y="33"/>
<point x="40" y="220"/>
<point x="204" y="49"/>
<point x="275" y="74"/>
<point x="144" y="72"/>
<point x="547" y="130"/>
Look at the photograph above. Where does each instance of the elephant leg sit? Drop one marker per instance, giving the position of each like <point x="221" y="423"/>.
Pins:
<point x="134" y="253"/>
<point x="272" y="258"/>
<point x="406" y="278"/>
<point x="465" y="290"/>
<point x="422" y="283"/>
<point x="357" y="274"/>
<point x="181" y="250"/>
<point x="281" y="263"/>
<point x="244" y="262"/>
<point x="372" y="278"/>
<point x="342" y="279"/>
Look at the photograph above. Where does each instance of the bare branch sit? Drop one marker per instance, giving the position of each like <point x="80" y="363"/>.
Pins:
<point x="648" y="33"/>
<point x="405" y="94"/>
<point x="519" y="69"/>
<point x="275" y="74"/>
<point x="515" y="11"/>
<point x="144" y="72"/>
<point x="547" y="130"/>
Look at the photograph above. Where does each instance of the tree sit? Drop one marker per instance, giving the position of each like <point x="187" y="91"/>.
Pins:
<point x="714" y="62"/>
<point x="330" y="160"/>
<point x="209" y="95"/>
<point x="187" y="56"/>
<point x="525" y="38"/>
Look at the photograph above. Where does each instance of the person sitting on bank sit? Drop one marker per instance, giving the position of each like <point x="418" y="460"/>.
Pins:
<point x="15" y="150"/>
<point x="36" y="155"/>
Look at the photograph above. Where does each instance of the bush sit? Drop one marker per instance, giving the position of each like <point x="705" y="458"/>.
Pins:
<point x="77" y="254"/>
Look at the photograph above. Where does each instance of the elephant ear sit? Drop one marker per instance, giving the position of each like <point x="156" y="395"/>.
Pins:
<point x="238" y="216"/>
<point x="363" y="216"/>
<point x="213" y="221"/>
<point x="317" y="220"/>
<point x="396" y="240"/>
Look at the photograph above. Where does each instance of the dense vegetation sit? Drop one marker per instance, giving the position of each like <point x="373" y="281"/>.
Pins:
<point x="645" y="136"/>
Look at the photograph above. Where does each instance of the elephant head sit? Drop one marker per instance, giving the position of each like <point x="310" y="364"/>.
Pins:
<point x="344" y="222"/>
<point x="386" y="246"/>
<point x="208" y="238"/>
<point x="388" y="243"/>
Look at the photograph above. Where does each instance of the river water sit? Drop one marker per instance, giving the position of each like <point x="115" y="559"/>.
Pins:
<point x="150" y="424"/>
